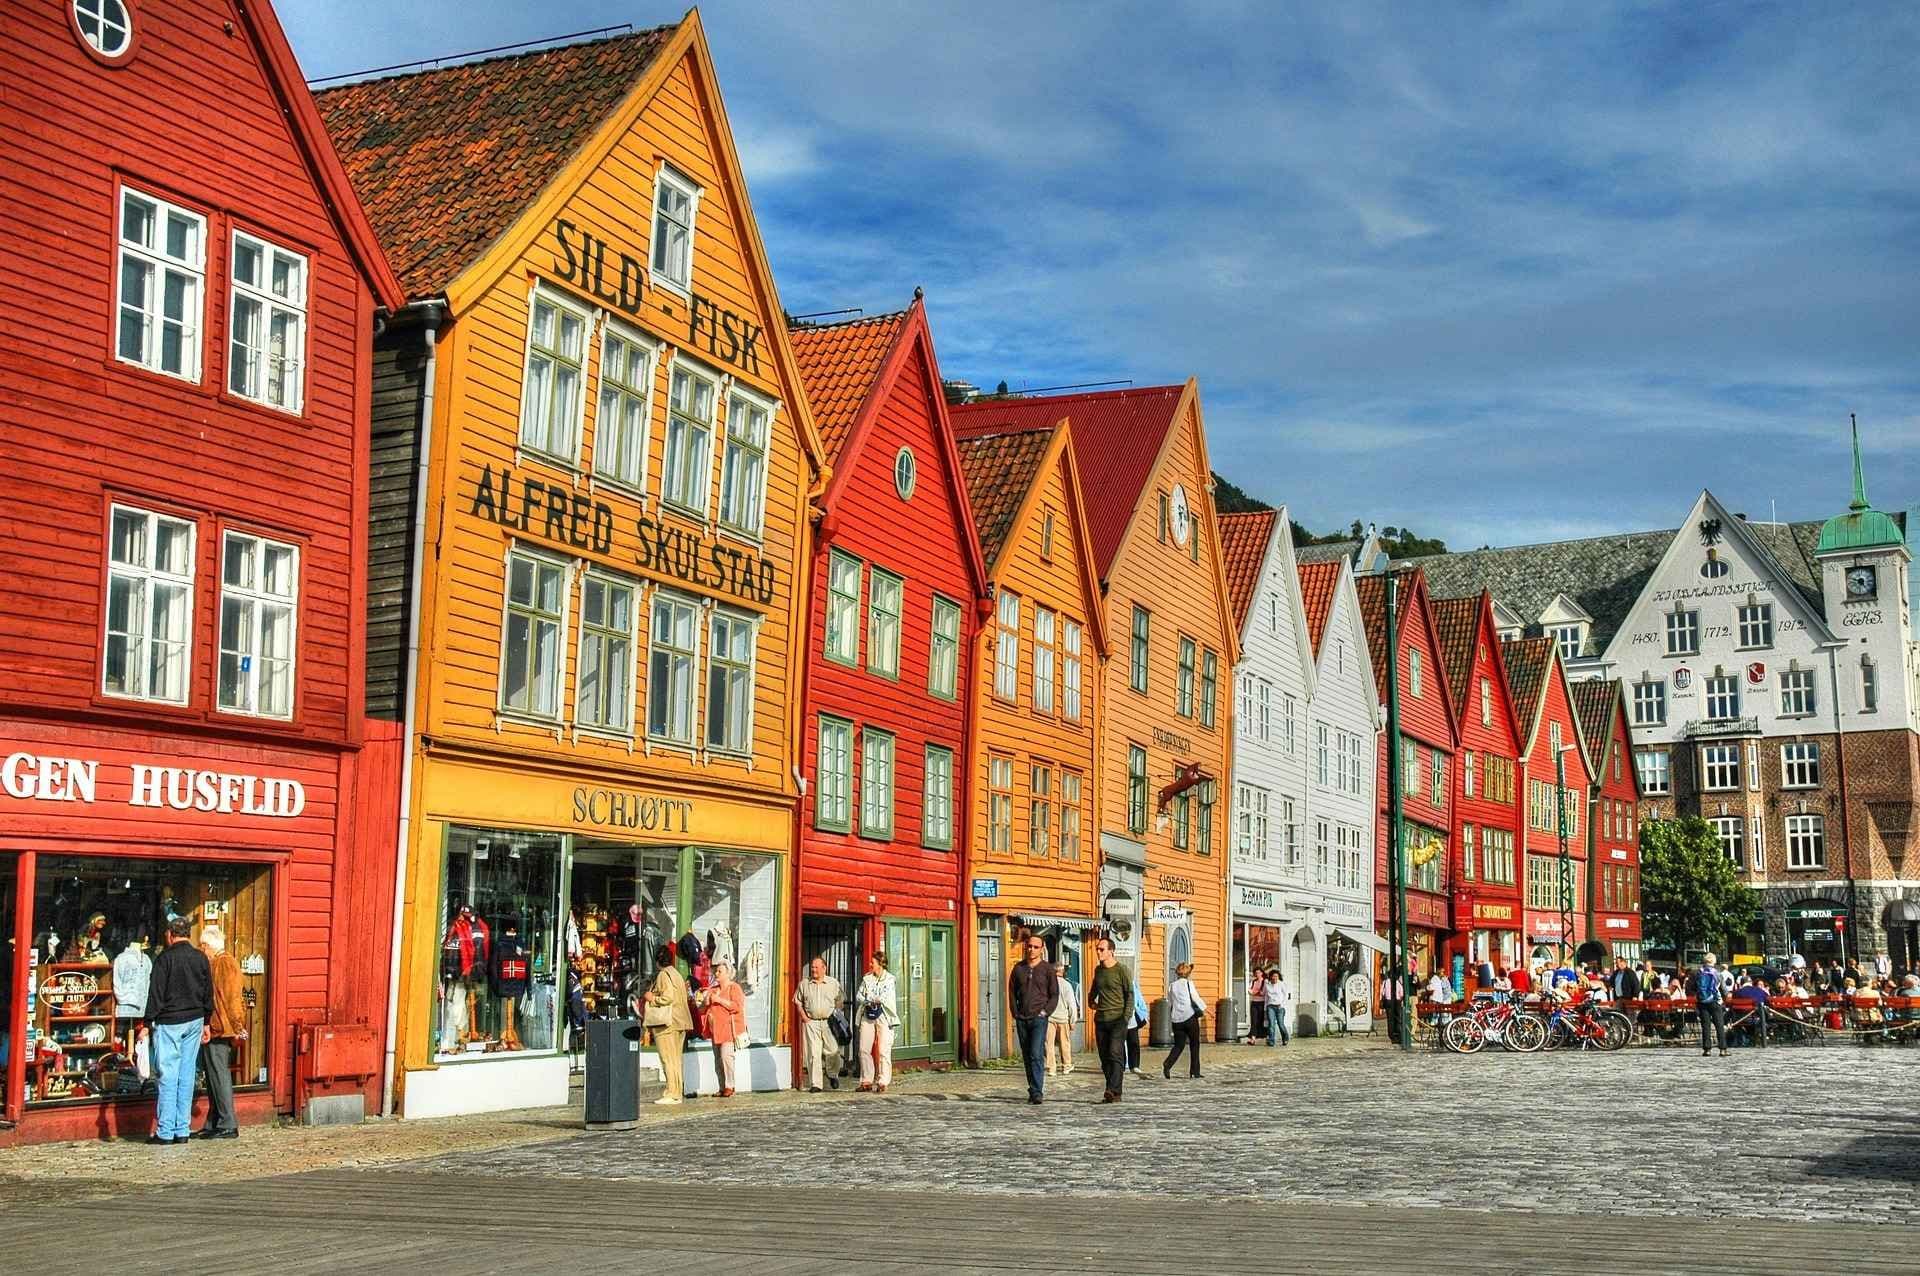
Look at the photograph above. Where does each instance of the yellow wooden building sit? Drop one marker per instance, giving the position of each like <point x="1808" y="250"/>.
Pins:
<point x="593" y="465"/>
<point x="1033" y="862"/>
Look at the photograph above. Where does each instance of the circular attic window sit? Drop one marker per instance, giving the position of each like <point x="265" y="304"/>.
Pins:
<point x="904" y="472"/>
<point x="105" y="28"/>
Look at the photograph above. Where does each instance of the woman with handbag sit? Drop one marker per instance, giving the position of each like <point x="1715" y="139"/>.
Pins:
<point x="726" y="1022"/>
<point x="877" y="1003"/>
<point x="667" y="1014"/>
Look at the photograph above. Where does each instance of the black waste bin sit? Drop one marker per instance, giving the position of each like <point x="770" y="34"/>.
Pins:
<point x="1226" y="1019"/>
<point x="613" y="1074"/>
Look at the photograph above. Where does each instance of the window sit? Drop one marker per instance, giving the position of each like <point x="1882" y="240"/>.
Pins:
<point x="1486" y="702"/>
<point x="626" y="383"/>
<point x="883" y="623"/>
<point x="149" y="606"/>
<point x="1425" y="877"/>
<point x="1289" y="720"/>
<point x="1006" y="647"/>
<point x="1796" y="693"/>
<point x="675" y="201"/>
<point x="1571" y="639"/>
<point x="1869" y="686"/>
<point x="834" y="791"/>
<point x="1723" y="697"/>
<point x="1040" y="821"/>
<point x="1353" y="745"/>
<point x="1655" y="776"/>
<point x="1136" y="789"/>
<point x="1183" y="821"/>
<point x="905" y="473"/>
<point x="1207" y="800"/>
<point x="1137" y="672"/>
<point x="1409" y="767"/>
<point x="603" y="698"/>
<point x="1251" y="822"/>
<point x="1165" y="518"/>
<point x="843" y="608"/>
<point x="743" y="464"/>
<point x="1466" y="773"/>
<point x="105" y="25"/>
<point x="1800" y="765"/>
<point x="1413" y="672"/>
<point x="1183" y="691"/>
<point x="163" y="263"/>
<point x="1322" y="850"/>
<point x="683" y="470"/>
<point x="1720" y="764"/>
<point x="1498" y="786"/>
<point x="1070" y="834"/>
<point x="1273" y="613"/>
<point x="267" y="347"/>
<point x="936" y="799"/>
<point x="550" y="388"/>
<point x="1496" y="856"/>
<point x="1244" y="703"/>
<point x="1543" y="882"/>
<point x="1438" y="792"/>
<point x="1263" y="715"/>
<point x="1650" y="703"/>
<point x="730" y="650"/>
<point x="536" y="614"/>
<point x="876" y="783"/>
<point x="259" y="589"/>
<point x="1683" y="632"/>
<point x="673" y="655"/>
<point x="1806" y="841"/>
<point x="1289" y="834"/>
<point x="1209" y="686"/>
<point x="1756" y="625"/>
<point x="1322" y="754"/>
<point x="1042" y="660"/>
<point x="1731" y="830"/>
<point x="1000" y="805"/>
<point x="1070" y="682"/>
<point x="943" y="654"/>
<point x="1046" y="536"/>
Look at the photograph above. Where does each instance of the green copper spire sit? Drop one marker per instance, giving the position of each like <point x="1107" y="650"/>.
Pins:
<point x="1859" y="475"/>
<point x="1862" y="527"/>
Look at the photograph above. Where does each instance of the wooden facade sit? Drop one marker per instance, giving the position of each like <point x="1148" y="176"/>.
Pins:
<point x="1549" y="730"/>
<point x="183" y="395"/>
<point x="1613" y="818"/>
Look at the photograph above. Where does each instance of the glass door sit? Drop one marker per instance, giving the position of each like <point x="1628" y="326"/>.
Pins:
<point x="920" y="955"/>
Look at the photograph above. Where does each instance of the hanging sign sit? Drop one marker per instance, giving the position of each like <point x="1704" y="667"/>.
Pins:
<point x="1166" y="912"/>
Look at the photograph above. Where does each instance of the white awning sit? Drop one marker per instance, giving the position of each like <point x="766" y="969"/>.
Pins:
<point x="1366" y="940"/>
<point x="1048" y="921"/>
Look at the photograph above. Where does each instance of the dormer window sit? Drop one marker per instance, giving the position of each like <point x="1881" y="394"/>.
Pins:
<point x="675" y="201"/>
<point x="1571" y="639"/>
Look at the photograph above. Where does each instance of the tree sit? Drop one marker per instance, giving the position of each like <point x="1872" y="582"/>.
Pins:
<point x="1689" y="889"/>
<point x="1230" y="498"/>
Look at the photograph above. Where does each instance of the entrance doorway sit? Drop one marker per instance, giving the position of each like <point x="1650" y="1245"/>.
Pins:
<point x="1816" y="929"/>
<point x="1306" y="979"/>
<point x="990" y="961"/>
<point x="920" y="956"/>
<point x="836" y="940"/>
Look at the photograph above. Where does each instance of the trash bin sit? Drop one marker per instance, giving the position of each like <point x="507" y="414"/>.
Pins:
<point x="1226" y="1019"/>
<point x="1159" y="1023"/>
<point x="613" y="1074"/>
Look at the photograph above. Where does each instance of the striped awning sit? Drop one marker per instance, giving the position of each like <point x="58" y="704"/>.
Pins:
<point x="1366" y="939"/>
<point x="1050" y="921"/>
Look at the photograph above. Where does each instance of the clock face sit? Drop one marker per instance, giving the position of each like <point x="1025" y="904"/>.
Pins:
<point x="1860" y="582"/>
<point x="1180" y="516"/>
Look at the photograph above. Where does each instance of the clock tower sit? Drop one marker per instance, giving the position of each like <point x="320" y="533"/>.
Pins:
<point x="1863" y="565"/>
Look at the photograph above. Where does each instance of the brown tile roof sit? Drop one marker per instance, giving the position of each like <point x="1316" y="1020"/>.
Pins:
<point x="1243" y="544"/>
<point x="446" y="160"/>
<point x="1457" y="622"/>
<point x="1331" y="552"/>
<point x="1528" y="661"/>
<point x="1317" y="582"/>
<point x="1000" y="469"/>
<point x="1593" y="701"/>
<point x="838" y="365"/>
<point x="1372" y="591"/>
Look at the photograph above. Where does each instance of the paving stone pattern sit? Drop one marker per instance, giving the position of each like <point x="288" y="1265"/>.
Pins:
<point x="1802" y="1134"/>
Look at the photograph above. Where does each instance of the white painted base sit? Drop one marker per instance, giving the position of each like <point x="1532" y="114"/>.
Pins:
<point x="755" y="1068"/>
<point x="487" y="1084"/>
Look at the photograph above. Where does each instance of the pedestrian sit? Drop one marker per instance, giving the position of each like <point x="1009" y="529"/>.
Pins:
<point x="1522" y="980"/>
<point x="1183" y="1003"/>
<point x="879" y="1015"/>
<point x="1110" y="1001"/>
<point x="226" y="1027"/>
<point x="179" y="1003"/>
<point x="1279" y="1001"/>
<point x="1797" y="962"/>
<point x="1882" y="966"/>
<point x="672" y="1019"/>
<point x="1032" y="994"/>
<point x="1135" y="1023"/>
<point x="1063" y="1022"/>
<point x="1753" y="999"/>
<point x="1256" y="1003"/>
<point x="819" y="998"/>
<point x="1713" y="1007"/>
<point x="726" y="1022"/>
<point x="1623" y="984"/>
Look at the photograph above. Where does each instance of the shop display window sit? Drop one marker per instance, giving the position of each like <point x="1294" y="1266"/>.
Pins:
<point x="625" y="903"/>
<point x="96" y="919"/>
<point x="734" y="908"/>
<point x="499" y="929"/>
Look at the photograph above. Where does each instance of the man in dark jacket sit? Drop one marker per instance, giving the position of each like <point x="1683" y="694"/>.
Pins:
<point x="179" y="1001"/>
<point x="1033" y="991"/>
<point x="1623" y="984"/>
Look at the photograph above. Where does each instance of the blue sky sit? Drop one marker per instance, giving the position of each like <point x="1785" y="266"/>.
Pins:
<point x="1499" y="272"/>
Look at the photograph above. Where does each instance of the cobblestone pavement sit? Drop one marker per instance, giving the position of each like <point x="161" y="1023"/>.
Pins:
<point x="1806" y="1134"/>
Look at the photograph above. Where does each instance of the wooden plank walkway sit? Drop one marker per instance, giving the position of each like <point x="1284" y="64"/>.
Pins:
<point x="369" y="1221"/>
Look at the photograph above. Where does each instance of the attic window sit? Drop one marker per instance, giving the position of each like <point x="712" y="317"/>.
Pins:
<point x="1046" y="535"/>
<point x="904" y="473"/>
<point x="675" y="201"/>
<point x="105" y="27"/>
<point x="1572" y="639"/>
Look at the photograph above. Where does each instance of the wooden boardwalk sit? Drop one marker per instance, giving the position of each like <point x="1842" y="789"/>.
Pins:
<point x="372" y="1221"/>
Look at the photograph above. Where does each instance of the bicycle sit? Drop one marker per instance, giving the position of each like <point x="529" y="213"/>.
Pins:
<point x="1505" y="1022"/>
<point x="1589" y="1024"/>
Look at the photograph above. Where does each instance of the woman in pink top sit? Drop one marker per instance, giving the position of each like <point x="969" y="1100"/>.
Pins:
<point x="726" y="1021"/>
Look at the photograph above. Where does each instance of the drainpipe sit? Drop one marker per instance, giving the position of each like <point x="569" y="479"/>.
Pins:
<point x="1846" y="826"/>
<point x="433" y="314"/>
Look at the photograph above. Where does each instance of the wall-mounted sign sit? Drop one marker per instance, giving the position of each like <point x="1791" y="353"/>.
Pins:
<point x="1168" y="740"/>
<point x="614" y="808"/>
<point x="1173" y="884"/>
<point x="986" y="888"/>
<point x="1757" y="674"/>
<point x="543" y="509"/>
<point x="583" y="261"/>
<point x="1682" y="678"/>
<point x="1493" y="912"/>
<point x="1617" y="923"/>
<point x="1167" y="912"/>
<point x="1256" y="897"/>
<point x="723" y="568"/>
<point x="722" y="333"/>
<point x="31" y="777"/>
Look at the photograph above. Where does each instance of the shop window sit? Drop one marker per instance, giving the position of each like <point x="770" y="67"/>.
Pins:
<point x="259" y="596"/>
<point x="267" y="343"/>
<point x="943" y="654"/>
<point x="876" y="783"/>
<point x="622" y="422"/>
<point x="936" y="799"/>
<point x="603" y="698"/>
<point x="96" y="923"/>
<point x="676" y="201"/>
<point x="672" y="654"/>
<point x="498" y="927"/>
<point x="884" y="591"/>
<point x="150" y="568"/>
<point x="843" y="608"/>
<point x="1071" y="672"/>
<point x="1006" y="647"/>
<point x="833" y="783"/>
<point x="743" y="464"/>
<point x="530" y="667"/>
<point x="731" y="645"/>
<point x="550" y="397"/>
<point x="1183" y="695"/>
<point x="625" y="903"/>
<point x="1043" y="653"/>
<point x="733" y="911"/>
<point x="684" y="468"/>
<point x="920" y="958"/>
<point x="163" y="265"/>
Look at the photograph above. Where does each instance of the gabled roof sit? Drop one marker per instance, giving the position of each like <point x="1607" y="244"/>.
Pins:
<point x="447" y="160"/>
<point x="1529" y="661"/>
<point x="1456" y="622"/>
<point x="1416" y="605"/>
<point x="1331" y="552"/>
<point x="1319" y="581"/>
<point x="839" y="364"/>
<point x="999" y="470"/>
<point x="1243" y="548"/>
<point x="1594" y="703"/>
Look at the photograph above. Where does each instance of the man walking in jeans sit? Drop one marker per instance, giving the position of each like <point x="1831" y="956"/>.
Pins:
<point x="1713" y="1006"/>
<point x="1110" y="1001"/>
<point x="1033" y="992"/>
<point x="179" y="999"/>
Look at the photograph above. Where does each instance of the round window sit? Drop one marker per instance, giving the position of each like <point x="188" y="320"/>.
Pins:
<point x="903" y="473"/>
<point x="105" y="26"/>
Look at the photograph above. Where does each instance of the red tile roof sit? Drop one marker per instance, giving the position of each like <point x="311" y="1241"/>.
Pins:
<point x="1317" y="581"/>
<point x="1457" y="623"/>
<point x="1528" y="660"/>
<point x="838" y="365"/>
<point x="1117" y="436"/>
<point x="1372" y="591"/>
<point x="1593" y="702"/>
<point x="446" y="160"/>
<point x="1000" y="470"/>
<point x="1243" y="543"/>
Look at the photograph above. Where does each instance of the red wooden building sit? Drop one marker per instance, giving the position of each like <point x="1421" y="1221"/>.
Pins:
<point x="1613" y="824"/>
<point x="1486" y="888"/>
<point x="898" y="581"/>
<point x="1429" y="740"/>
<point x="1543" y="703"/>
<point x="188" y="288"/>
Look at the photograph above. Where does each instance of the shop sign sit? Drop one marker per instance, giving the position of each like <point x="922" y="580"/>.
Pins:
<point x="613" y="808"/>
<point x="1169" y="740"/>
<point x="564" y="517"/>
<point x="1493" y="912"/>
<point x="1358" y="994"/>
<point x="1173" y="884"/>
<point x="1824" y="911"/>
<point x="1617" y="853"/>
<point x="33" y="778"/>
<point x="1167" y="912"/>
<point x="986" y="888"/>
<point x="1616" y="923"/>
<point x="1257" y="897"/>
<point x="677" y="552"/>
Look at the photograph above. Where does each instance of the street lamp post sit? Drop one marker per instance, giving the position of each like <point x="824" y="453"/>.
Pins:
<point x="1397" y="833"/>
<point x="1566" y="856"/>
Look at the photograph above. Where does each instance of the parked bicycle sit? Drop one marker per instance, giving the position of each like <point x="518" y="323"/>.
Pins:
<point x="1506" y="1022"/>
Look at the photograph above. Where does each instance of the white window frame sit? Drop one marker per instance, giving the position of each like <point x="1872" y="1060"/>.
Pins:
<point x="1251" y="823"/>
<point x="879" y="763"/>
<point x="1290" y="722"/>
<point x="843" y="609"/>
<point x="1006" y="646"/>
<point x="1798" y="697"/>
<point x="657" y="688"/>
<point x="256" y="363"/>
<point x="1732" y="832"/>
<point x="1869" y="685"/>
<point x="623" y="391"/>
<point x="1323" y="754"/>
<point x="96" y="15"/>
<point x="1755" y="626"/>
<point x="256" y="598"/>
<point x="604" y="635"/>
<point x="1655" y="768"/>
<point x="883" y="626"/>
<point x="1806" y="841"/>
<point x="1290" y="833"/>
<point x="1486" y="702"/>
<point x="1045" y="630"/>
<point x="1322" y="851"/>
<point x="159" y="263"/>
<point x="731" y="453"/>
<point x="143" y="577"/>
<point x="540" y="562"/>
<point x="1800" y="764"/>
<point x="943" y="649"/>
<point x="1072" y="703"/>
<point x="1650" y="702"/>
<point x="1414" y="684"/>
<point x="1570" y="638"/>
<point x="1722" y="691"/>
<point x="1683" y="626"/>
<point x="564" y="307"/>
<point x="834" y="783"/>
<point x="673" y="459"/>
<point x="740" y="743"/>
<point x="668" y="175"/>
<point x="1719" y="768"/>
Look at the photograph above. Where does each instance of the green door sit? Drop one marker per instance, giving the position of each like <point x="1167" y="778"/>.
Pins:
<point x="920" y="955"/>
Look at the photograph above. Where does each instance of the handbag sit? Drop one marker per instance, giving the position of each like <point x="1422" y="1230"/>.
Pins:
<point x="658" y="1016"/>
<point x="837" y="1025"/>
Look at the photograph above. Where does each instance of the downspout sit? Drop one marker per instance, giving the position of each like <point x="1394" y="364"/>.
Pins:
<point x="433" y="314"/>
<point x="1846" y="826"/>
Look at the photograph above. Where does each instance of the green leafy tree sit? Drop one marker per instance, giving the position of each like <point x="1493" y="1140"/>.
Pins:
<point x="1689" y="890"/>
<point x="1230" y="498"/>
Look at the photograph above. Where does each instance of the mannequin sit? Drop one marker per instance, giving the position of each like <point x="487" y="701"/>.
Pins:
<point x="132" y="973"/>
<point x="463" y="969"/>
<point x="508" y="973"/>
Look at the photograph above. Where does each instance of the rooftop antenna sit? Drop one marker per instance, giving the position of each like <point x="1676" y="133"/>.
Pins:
<point x="472" y="53"/>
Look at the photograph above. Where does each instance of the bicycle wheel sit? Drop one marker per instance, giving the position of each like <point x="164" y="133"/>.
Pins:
<point x="1465" y="1035"/>
<point x="1525" y="1033"/>
<point x="1619" y="1031"/>
<point x="1559" y="1034"/>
